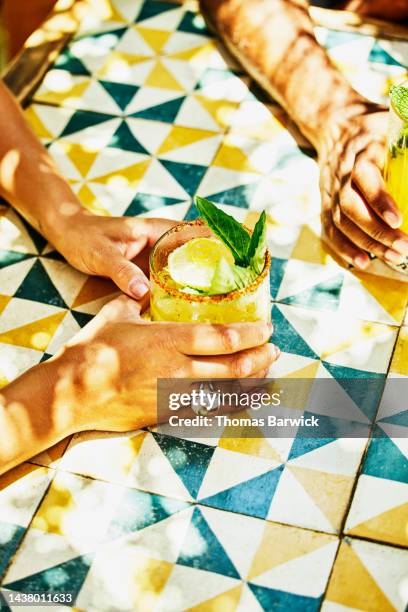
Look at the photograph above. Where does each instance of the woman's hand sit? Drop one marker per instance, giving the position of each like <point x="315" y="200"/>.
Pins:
<point x="115" y="247"/>
<point x="107" y="376"/>
<point x="358" y="215"/>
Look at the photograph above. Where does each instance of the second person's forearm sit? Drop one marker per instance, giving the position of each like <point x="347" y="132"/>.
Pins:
<point x="275" y="42"/>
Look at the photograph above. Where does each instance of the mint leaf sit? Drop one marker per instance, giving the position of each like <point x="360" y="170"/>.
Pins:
<point x="257" y="246"/>
<point x="399" y="99"/>
<point x="223" y="280"/>
<point x="233" y="235"/>
<point x="244" y="276"/>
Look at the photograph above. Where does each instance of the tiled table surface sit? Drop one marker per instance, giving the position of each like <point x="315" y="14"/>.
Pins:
<point x="141" y="112"/>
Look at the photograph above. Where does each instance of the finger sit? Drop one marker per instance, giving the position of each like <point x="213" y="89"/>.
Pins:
<point x="364" y="240"/>
<point x="134" y="228"/>
<point x="364" y="228"/>
<point x="239" y="365"/>
<point x="366" y="175"/>
<point x="126" y="274"/>
<point x="203" y="339"/>
<point x="343" y="247"/>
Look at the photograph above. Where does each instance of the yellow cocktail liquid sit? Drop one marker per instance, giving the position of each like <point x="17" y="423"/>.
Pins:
<point x="250" y="304"/>
<point x="396" y="178"/>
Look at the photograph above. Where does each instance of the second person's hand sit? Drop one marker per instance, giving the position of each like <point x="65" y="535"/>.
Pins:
<point x="115" y="247"/>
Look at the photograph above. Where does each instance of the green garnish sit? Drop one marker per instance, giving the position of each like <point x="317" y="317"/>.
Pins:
<point x="232" y="234"/>
<point x="248" y="251"/>
<point x="399" y="100"/>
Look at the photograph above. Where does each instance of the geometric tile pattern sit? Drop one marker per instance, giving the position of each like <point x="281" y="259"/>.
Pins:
<point x="140" y="112"/>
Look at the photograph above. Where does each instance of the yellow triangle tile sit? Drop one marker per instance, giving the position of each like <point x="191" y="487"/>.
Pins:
<point x="281" y="544"/>
<point x="129" y="176"/>
<point x="364" y="333"/>
<point x="390" y="526"/>
<point x="247" y="440"/>
<point x="390" y="293"/>
<point x="149" y="577"/>
<point x="36" y="335"/>
<point x="90" y="201"/>
<point x="232" y="158"/>
<point x="252" y="217"/>
<point x="197" y="56"/>
<point x="182" y="136"/>
<point x="54" y="513"/>
<point x="330" y="492"/>
<point x="309" y="247"/>
<point x="61" y="97"/>
<point x="80" y="157"/>
<point x="221" y="111"/>
<point x="117" y="61"/>
<point x="225" y="602"/>
<point x="163" y="79"/>
<point x="94" y="288"/>
<point x="399" y="364"/>
<point x="156" y="39"/>
<point x="353" y="586"/>
<point x="4" y="300"/>
<point x="36" y="123"/>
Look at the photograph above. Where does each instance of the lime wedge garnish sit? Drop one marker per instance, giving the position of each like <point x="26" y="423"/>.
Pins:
<point x="399" y="99"/>
<point x="194" y="263"/>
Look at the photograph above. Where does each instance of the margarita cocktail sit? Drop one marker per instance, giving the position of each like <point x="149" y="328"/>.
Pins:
<point x="211" y="270"/>
<point x="396" y="167"/>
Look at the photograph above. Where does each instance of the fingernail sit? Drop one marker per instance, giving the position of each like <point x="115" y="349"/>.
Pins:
<point x="401" y="245"/>
<point x="277" y="351"/>
<point x="138" y="288"/>
<point x="361" y="261"/>
<point x="393" y="257"/>
<point x="392" y="218"/>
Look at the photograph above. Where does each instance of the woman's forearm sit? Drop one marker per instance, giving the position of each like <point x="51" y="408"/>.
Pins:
<point x="29" y="179"/>
<point x="30" y="419"/>
<point x="275" y="42"/>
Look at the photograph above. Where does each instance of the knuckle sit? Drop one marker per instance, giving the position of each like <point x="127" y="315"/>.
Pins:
<point x="241" y="366"/>
<point x="229" y="339"/>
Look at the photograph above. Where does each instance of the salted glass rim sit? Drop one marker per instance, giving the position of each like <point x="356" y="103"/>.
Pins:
<point x="189" y="297"/>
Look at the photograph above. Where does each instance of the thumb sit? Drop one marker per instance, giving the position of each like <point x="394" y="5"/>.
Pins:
<point x="127" y="276"/>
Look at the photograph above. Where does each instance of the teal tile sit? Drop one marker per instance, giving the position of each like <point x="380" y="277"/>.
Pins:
<point x="121" y="93"/>
<point x="8" y="258"/>
<point x="273" y="600"/>
<point x="193" y="23"/>
<point x="237" y="196"/>
<point x="67" y="577"/>
<point x="138" y="510"/>
<point x="187" y="175"/>
<point x="37" y="286"/>
<point x="384" y="459"/>
<point x="143" y="202"/>
<point x="166" y="112"/>
<point x="189" y="459"/>
<point x="207" y="553"/>
<point x="252" y="497"/>
<point x="124" y="139"/>
<point x="10" y="538"/>
<point x="81" y="120"/>
<point x="68" y="61"/>
<point x="151" y="9"/>
<point x="325" y="295"/>
<point x="287" y="338"/>
<point x="379" y="55"/>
